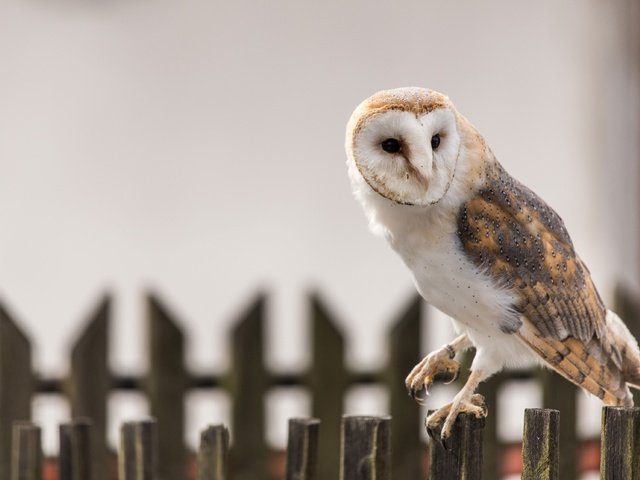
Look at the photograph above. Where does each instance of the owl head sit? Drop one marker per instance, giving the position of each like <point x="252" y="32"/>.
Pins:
<point x="405" y="144"/>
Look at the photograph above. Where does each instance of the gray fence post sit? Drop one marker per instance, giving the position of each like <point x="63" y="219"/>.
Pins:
<point x="166" y="385"/>
<point x="302" y="449"/>
<point x="89" y="382"/>
<point x="328" y="381"/>
<point x="213" y="453"/>
<point x="462" y="459"/>
<point x="249" y="383"/>
<point x="365" y="448"/>
<point x="16" y="385"/>
<point x="619" y="457"/>
<point x="560" y="394"/>
<point x="138" y="456"/>
<point x="74" y="459"/>
<point x="26" y="455"/>
<point x="540" y="447"/>
<point x="404" y="353"/>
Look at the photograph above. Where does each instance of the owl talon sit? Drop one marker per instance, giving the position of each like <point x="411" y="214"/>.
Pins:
<point x="419" y="396"/>
<point x="437" y="366"/>
<point x="440" y="423"/>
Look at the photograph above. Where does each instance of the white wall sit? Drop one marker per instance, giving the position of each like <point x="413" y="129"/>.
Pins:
<point x="197" y="148"/>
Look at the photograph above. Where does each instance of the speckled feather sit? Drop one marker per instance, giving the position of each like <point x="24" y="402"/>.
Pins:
<point x="524" y="244"/>
<point x="508" y="231"/>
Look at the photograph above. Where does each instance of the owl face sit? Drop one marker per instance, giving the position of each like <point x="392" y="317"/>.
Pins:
<point x="405" y="144"/>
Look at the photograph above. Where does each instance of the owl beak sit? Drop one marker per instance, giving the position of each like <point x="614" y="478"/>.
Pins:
<point x="422" y="163"/>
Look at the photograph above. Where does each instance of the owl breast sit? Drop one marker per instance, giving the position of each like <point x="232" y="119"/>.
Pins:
<point x="446" y="278"/>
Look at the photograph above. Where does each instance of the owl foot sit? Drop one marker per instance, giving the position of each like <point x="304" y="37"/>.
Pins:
<point x="438" y="365"/>
<point x="440" y="423"/>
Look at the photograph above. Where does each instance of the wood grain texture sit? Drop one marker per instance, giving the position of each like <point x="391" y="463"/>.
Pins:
<point x="138" y="456"/>
<point x="462" y="458"/>
<point x="365" y="448"/>
<point x="302" y="449"/>
<point x="540" y="452"/>
<point x="620" y="440"/>
<point x="213" y="453"/>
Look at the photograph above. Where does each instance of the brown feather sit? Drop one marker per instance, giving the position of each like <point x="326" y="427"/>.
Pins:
<point x="508" y="231"/>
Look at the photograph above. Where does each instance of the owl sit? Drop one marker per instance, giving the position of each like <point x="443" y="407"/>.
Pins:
<point x="483" y="249"/>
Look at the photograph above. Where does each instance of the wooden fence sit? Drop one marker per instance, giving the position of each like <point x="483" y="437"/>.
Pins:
<point x="365" y="449"/>
<point x="89" y="383"/>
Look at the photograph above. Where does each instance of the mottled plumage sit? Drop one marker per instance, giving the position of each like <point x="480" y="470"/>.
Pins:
<point x="484" y="249"/>
<point x="523" y="244"/>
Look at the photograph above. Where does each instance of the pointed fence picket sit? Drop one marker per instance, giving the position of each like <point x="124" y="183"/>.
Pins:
<point x="247" y="382"/>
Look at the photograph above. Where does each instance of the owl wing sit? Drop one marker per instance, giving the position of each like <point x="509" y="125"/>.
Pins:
<point x="513" y="235"/>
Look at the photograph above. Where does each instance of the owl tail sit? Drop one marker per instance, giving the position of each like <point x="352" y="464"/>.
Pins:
<point x="626" y="348"/>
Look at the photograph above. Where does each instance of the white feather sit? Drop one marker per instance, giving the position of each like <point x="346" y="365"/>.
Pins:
<point x="426" y="239"/>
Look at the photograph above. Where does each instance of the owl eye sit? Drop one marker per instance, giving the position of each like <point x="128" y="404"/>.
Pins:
<point x="391" y="145"/>
<point x="435" y="141"/>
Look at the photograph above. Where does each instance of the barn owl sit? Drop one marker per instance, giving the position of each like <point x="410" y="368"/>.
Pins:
<point x="483" y="249"/>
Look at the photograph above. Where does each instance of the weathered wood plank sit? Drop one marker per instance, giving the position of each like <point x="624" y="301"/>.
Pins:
<point x="560" y="394"/>
<point x="26" y="455"/>
<point x="492" y="448"/>
<point x="365" y="448"/>
<point x="75" y="457"/>
<point x="404" y="353"/>
<point x="462" y="459"/>
<point x="302" y="449"/>
<point x="328" y="382"/>
<point x="213" y="453"/>
<point x="540" y="444"/>
<point x="16" y="385"/>
<point x="249" y="381"/>
<point x="138" y="456"/>
<point x="166" y="384"/>
<point x="89" y="382"/>
<point x="620" y="440"/>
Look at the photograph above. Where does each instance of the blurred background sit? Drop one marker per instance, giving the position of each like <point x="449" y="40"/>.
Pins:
<point x="196" y="150"/>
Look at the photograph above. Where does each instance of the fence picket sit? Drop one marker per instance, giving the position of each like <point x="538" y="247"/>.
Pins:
<point x="619" y="443"/>
<point x="328" y="382"/>
<point x="138" y="456"/>
<point x="26" y="452"/>
<point x="166" y="385"/>
<point x="75" y="457"/>
<point x="540" y="444"/>
<point x="404" y="354"/>
<point x="213" y="453"/>
<point x="365" y="448"/>
<point x="16" y="385"/>
<point x="89" y="382"/>
<point x="492" y="449"/>
<point x="248" y="380"/>
<point x="302" y="449"/>
<point x="560" y="394"/>
<point x="462" y="459"/>
<point x="249" y="383"/>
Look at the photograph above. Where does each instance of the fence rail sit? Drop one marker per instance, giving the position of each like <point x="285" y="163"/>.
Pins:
<point x="89" y="383"/>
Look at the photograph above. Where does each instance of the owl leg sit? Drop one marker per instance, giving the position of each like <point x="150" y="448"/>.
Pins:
<point x="466" y="401"/>
<point x="438" y="365"/>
